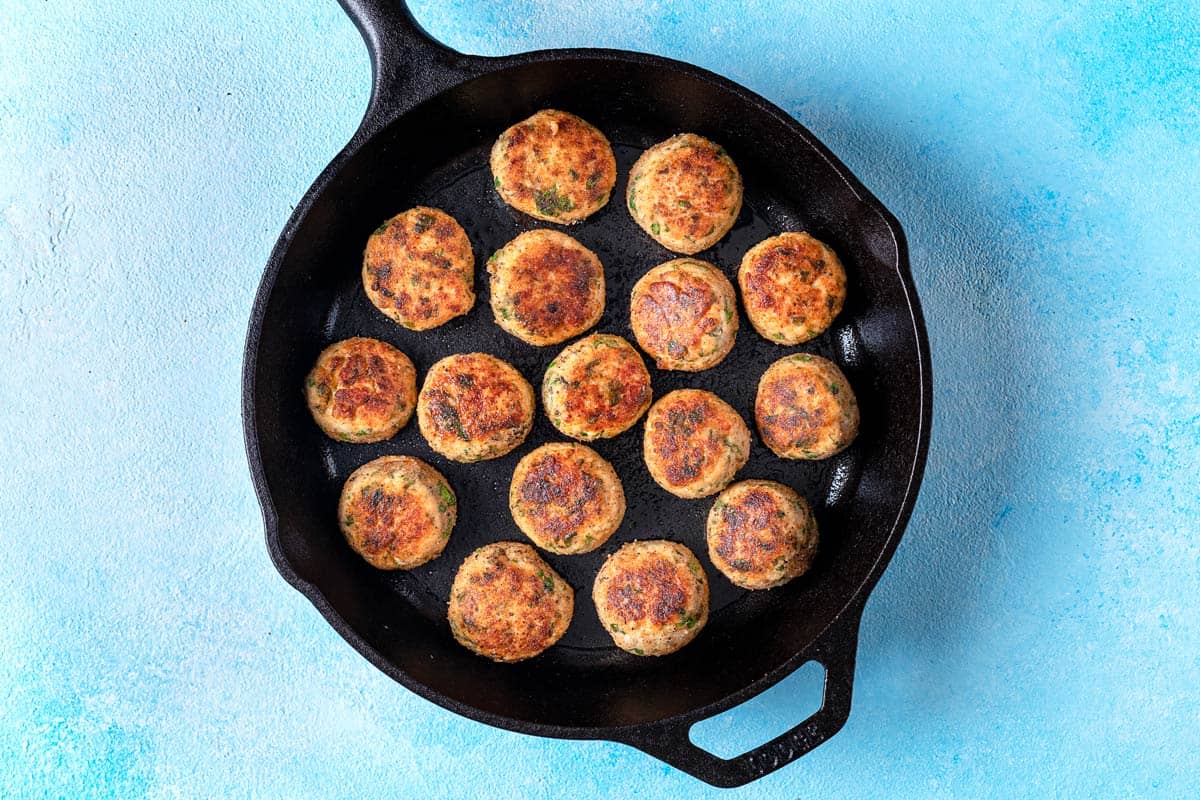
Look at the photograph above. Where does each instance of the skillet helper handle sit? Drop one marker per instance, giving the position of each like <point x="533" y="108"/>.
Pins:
<point x="408" y="65"/>
<point x="835" y="650"/>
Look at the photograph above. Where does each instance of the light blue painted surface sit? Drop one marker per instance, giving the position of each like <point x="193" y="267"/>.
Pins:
<point x="1038" y="633"/>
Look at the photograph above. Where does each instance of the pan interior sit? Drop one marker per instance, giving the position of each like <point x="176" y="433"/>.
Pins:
<point x="437" y="155"/>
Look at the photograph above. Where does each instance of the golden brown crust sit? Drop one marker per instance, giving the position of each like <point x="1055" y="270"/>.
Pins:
<point x="761" y="534"/>
<point x="651" y="597"/>
<point x="554" y="166"/>
<point x="793" y="286"/>
<point x="419" y="269"/>
<point x="684" y="315"/>
<point x="473" y="406"/>
<point x="397" y="512"/>
<point x="685" y="192"/>
<point x="546" y="287"/>
<point x="566" y="498"/>
<point x="361" y="390"/>
<point x="596" y="388"/>
<point x="694" y="443"/>
<point x="805" y="408"/>
<point x="507" y="604"/>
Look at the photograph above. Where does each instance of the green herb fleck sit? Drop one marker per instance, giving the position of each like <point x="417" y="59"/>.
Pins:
<point x="311" y="383"/>
<point x="551" y="203"/>
<point x="639" y="651"/>
<point x="574" y="175"/>
<point x="655" y="228"/>
<point x="424" y="222"/>
<point x="448" y="498"/>
<point x="592" y="180"/>
<point x="802" y="357"/>
<point x="496" y="182"/>
<point x="614" y="626"/>
<point x="349" y="520"/>
<point x="833" y="387"/>
<point x="547" y="581"/>
<point x="382" y="228"/>
<point x="684" y="203"/>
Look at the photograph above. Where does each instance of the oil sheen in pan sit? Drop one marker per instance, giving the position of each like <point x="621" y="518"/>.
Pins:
<point x="463" y="188"/>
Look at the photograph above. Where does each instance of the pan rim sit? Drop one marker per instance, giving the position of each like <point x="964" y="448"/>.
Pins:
<point x="376" y="120"/>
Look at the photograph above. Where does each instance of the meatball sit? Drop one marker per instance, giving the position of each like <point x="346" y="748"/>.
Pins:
<point x="554" y="166"/>
<point x="361" y="390"/>
<point x="793" y="287"/>
<point x="685" y="192"/>
<point x="596" y="388"/>
<point x="684" y="314"/>
<point x="566" y="498"/>
<point x="651" y="597"/>
<point x="805" y="408"/>
<point x="397" y="512"/>
<point x="419" y="270"/>
<point x="546" y="287"/>
<point x="507" y="604"/>
<point x="761" y="534"/>
<point x="473" y="406"/>
<point x="694" y="443"/>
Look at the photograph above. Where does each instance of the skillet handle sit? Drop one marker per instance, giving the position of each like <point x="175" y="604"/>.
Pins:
<point x="835" y="650"/>
<point x="407" y="64"/>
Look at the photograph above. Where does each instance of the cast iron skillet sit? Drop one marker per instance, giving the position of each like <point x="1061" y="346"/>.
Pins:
<point x="433" y="114"/>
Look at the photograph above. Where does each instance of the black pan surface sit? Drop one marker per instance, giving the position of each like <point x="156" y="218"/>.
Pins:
<point x="425" y="140"/>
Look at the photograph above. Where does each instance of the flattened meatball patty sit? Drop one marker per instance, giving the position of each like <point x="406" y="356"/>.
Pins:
<point x="596" y="388"/>
<point x="694" y="443"/>
<point x="419" y="270"/>
<point x="684" y="314"/>
<point x="397" y="512"/>
<point x="761" y="534"/>
<point x="361" y="390"/>
<point x="546" y="287"/>
<point x="685" y="192"/>
<point x="805" y="408"/>
<point x="473" y="406"/>
<point x="793" y="287"/>
<point x="566" y="498"/>
<point x="507" y="604"/>
<point x="554" y="166"/>
<point x="652" y="597"/>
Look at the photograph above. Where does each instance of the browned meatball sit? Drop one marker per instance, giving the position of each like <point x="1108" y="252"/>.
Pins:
<point x="596" y="388"/>
<point x="474" y="406"/>
<point x="694" y="443"/>
<point x="361" y="390"/>
<point x="684" y="314"/>
<point x="507" y="604"/>
<point x="419" y="269"/>
<point x="685" y="192"/>
<point x="546" y="287"/>
<point x="805" y="408"/>
<point x="651" y="597"/>
<point x="554" y="166"/>
<point x="397" y="512"/>
<point x="761" y="534"/>
<point x="566" y="498"/>
<point x="793" y="286"/>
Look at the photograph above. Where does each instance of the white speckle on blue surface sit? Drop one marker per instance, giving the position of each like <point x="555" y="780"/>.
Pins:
<point x="1037" y="633"/>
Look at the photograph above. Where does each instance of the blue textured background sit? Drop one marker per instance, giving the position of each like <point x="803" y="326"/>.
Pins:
<point x="1038" y="631"/>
